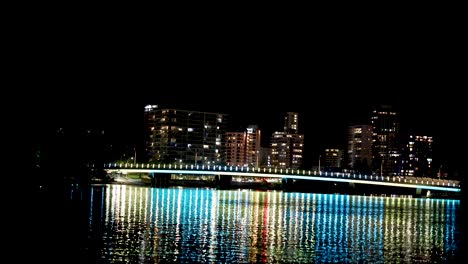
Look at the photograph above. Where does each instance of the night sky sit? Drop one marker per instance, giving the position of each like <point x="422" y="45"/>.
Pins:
<point x="332" y="83"/>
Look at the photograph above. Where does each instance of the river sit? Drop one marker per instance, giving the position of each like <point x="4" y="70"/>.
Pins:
<point x="134" y="224"/>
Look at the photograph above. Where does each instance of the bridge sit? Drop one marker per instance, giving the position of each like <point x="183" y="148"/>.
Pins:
<point x="394" y="181"/>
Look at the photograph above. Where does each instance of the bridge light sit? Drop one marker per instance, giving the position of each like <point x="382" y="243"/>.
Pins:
<point x="153" y="165"/>
<point x="309" y="172"/>
<point x="159" y="166"/>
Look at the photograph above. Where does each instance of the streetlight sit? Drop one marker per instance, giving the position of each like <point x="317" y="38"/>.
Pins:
<point x="257" y="152"/>
<point x="381" y="167"/>
<point x="319" y="162"/>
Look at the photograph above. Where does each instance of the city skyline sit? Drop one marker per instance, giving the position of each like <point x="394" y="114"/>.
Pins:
<point x="324" y="123"/>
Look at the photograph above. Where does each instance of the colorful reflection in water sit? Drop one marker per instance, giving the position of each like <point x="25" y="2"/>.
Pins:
<point x="150" y="225"/>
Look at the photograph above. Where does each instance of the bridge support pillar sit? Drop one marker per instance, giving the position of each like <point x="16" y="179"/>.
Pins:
<point x="153" y="179"/>
<point x="418" y="192"/>
<point x="223" y="181"/>
<point x="287" y="184"/>
<point x="160" y="180"/>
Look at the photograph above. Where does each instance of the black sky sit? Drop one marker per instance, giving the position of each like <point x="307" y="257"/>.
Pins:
<point x="332" y="78"/>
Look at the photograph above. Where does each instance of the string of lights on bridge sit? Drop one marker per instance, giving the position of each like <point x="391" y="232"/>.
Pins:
<point x="242" y="169"/>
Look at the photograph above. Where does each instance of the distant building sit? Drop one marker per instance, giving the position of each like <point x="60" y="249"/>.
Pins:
<point x="359" y="146"/>
<point x="235" y="148"/>
<point x="291" y="123"/>
<point x="265" y="157"/>
<point x="418" y="157"/>
<point x="287" y="146"/>
<point x="243" y="148"/>
<point x="333" y="158"/>
<point x="386" y="149"/>
<point x="181" y="136"/>
<point x="252" y="146"/>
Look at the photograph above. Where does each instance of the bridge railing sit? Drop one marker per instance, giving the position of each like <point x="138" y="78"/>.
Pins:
<point x="265" y="170"/>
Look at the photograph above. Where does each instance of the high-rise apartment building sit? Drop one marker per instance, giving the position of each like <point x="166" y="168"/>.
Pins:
<point x="235" y="148"/>
<point x="291" y="123"/>
<point x="287" y="146"/>
<point x="181" y="136"/>
<point x="243" y="148"/>
<point x="265" y="157"/>
<point x="252" y="146"/>
<point x="359" y="146"/>
<point x="418" y="157"/>
<point x="333" y="158"/>
<point x="386" y="149"/>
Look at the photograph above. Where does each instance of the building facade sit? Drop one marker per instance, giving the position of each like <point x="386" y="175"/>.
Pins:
<point x="359" y="146"/>
<point x="252" y="146"/>
<point x="265" y="157"/>
<point x="291" y="123"/>
<point x="181" y="136"/>
<point x="243" y="148"/>
<point x="333" y="159"/>
<point x="287" y="146"/>
<point x="235" y="148"/>
<point x="418" y="157"/>
<point x="386" y="148"/>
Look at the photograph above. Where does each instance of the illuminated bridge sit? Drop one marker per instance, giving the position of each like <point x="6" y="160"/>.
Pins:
<point x="394" y="181"/>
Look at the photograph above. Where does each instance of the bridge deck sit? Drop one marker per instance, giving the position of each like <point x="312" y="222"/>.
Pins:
<point x="396" y="181"/>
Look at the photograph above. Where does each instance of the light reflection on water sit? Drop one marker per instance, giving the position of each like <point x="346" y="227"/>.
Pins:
<point x="150" y="225"/>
